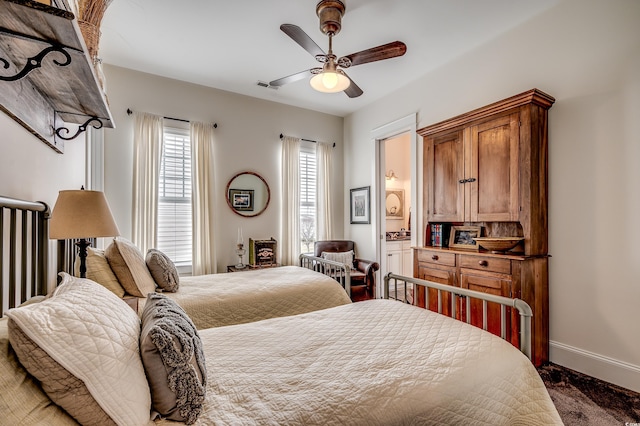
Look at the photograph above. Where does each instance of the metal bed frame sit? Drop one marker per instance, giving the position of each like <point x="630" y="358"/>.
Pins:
<point x="24" y="251"/>
<point x="336" y="270"/>
<point x="524" y="310"/>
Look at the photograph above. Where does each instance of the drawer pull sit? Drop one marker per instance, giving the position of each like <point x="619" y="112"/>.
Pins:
<point x="483" y="263"/>
<point x="434" y="257"/>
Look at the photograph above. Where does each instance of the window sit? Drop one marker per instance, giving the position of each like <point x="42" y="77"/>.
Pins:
<point x="308" y="169"/>
<point x="174" y="198"/>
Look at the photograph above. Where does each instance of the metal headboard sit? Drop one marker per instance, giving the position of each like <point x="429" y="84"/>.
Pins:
<point x="336" y="270"/>
<point x="520" y="305"/>
<point x="24" y="251"/>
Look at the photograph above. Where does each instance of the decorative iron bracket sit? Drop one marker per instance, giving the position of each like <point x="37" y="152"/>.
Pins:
<point x="35" y="61"/>
<point x="81" y="128"/>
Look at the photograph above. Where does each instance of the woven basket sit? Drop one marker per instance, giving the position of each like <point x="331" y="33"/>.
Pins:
<point x="91" y="35"/>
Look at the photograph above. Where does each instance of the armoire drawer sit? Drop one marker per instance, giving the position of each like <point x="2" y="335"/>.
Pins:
<point x="437" y="257"/>
<point x="485" y="263"/>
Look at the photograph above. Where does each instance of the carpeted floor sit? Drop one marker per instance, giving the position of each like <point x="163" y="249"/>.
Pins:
<point x="586" y="401"/>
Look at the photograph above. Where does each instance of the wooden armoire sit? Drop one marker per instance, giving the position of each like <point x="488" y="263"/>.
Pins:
<point x="488" y="168"/>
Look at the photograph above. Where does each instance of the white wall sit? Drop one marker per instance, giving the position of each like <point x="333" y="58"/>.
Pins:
<point x="585" y="53"/>
<point x="247" y="138"/>
<point x="30" y="170"/>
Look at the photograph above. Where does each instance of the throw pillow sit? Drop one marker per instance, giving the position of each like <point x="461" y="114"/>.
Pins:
<point x="345" y="257"/>
<point x="173" y="359"/>
<point x="94" y="336"/>
<point x="163" y="270"/>
<point x="98" y="270"/>
<point x="127" y="262"/>
<point x="22" y="400"/>
<point x="56" y="381"/>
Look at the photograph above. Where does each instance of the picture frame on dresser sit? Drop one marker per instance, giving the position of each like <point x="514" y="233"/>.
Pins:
<point x="360" y="205"/>
<point x="461" y="237"/>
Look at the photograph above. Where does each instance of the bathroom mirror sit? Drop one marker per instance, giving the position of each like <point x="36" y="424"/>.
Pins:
<point x="248" y="194"/>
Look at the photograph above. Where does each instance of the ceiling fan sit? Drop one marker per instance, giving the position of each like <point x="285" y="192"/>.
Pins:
<point x="331" y="78"/>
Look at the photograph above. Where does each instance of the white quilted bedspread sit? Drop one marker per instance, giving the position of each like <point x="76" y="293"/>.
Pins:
<point x="378" y="362"/>
<point x="235" y="298"/>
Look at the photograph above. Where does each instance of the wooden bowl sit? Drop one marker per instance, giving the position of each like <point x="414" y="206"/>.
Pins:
<point x="498" y="244"/>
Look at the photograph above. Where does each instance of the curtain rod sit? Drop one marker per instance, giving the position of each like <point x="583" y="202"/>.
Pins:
<point x="215" y="125"/>
<point x="306" y="140"/>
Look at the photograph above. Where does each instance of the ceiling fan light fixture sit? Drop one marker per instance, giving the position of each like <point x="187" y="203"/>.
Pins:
<point x="330" y="81"/>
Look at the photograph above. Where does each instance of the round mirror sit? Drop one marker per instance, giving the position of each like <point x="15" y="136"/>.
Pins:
<point x="248" y="194"/>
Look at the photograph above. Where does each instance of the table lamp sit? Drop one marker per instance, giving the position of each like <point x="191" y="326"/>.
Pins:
<point x="81" y="214"/>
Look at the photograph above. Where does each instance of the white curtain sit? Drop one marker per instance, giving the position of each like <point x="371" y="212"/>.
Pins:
<point x="290" y="244"/>
<point x="324" y="163"/>
<point x="202" y="144"/>
<point x="147" y="155"/>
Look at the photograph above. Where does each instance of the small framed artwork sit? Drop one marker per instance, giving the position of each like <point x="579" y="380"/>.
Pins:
<point x="394" y="203"/>
<point x="241" y="199"/>
<point x="461" y="237"/>
<point x="360" y="205"/>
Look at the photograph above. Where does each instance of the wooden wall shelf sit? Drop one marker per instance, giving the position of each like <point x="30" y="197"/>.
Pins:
<point x="52" y="94"/>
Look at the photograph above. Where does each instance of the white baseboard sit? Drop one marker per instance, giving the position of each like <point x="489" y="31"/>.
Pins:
<point x="608" y="369"/>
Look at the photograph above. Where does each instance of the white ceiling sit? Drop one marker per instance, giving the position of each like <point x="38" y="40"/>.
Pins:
<point x="233" y="44"/>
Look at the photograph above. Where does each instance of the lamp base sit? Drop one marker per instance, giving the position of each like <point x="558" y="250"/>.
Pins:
<point x="82" y="254"/>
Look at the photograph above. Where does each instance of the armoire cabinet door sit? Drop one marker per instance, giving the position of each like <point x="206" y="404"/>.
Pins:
<point x="444" y="164"/>
<point x="498" y="285"/>
<point x="440" y="276"/>
<point x="493" y="168"/>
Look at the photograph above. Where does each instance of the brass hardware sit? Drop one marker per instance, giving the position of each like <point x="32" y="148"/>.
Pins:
<point x="330" y="13"/>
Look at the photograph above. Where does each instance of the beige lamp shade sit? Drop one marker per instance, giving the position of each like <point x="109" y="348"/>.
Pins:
<point x="81" y="214"/>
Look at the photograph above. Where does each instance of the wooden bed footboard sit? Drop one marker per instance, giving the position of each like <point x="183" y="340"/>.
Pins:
<point x="461" y="307"/>
<point x="336" y="270"/>
<point x="24" y="251"/>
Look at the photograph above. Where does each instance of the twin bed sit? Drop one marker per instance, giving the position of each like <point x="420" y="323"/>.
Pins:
<point x="372" y="362"/>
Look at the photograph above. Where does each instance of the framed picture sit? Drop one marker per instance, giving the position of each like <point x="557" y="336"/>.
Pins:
<point x="461" y="237"/>
<point x="360" y="205"/>
<point x="394" y="203"/>
<point x="241" y="199"/>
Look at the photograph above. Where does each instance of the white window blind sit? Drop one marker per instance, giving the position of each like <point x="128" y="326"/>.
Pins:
<point x="174" y="198"/>
<point x="308" y="172"/>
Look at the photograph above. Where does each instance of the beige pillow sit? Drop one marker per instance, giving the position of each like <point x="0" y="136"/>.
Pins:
<point x="163" y="270"/>
<point x="22" y="401"/>
<point x="345" y="257"/>
<point x="63" y="388"/>
<point x="98" y="270"/>
<point x="94" y="336"/>
<point x="173" y="360"/>
<point x="127" y="262"/>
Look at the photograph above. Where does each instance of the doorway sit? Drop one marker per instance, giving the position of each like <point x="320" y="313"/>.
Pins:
<point x="396" y="147"/>
<point x="397" y="256"/>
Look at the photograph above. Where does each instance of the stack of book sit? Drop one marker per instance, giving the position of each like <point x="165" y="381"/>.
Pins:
<point x="439" y="235"/>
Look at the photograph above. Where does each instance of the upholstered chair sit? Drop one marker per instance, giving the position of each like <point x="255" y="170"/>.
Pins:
<point x="363" y="274"/>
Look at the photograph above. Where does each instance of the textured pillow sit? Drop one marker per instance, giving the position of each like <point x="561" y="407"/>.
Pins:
<point x="22" y="401"/>
<point x="65" y="389"/>
<point x="94" y="336"/>
<point x="163" y="270"/>
<point x="98" y="270"/>
<point x="345" y="257"/>
<point x="173" y="359"/>
<point x="127" y="262"/>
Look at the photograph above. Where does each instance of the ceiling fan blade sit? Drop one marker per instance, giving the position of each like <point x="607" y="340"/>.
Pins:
<point x="300" y="37"/>
<point x="385" y="51"/>
<point x="291" y="78"/>
<point x="353" y="91"/>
